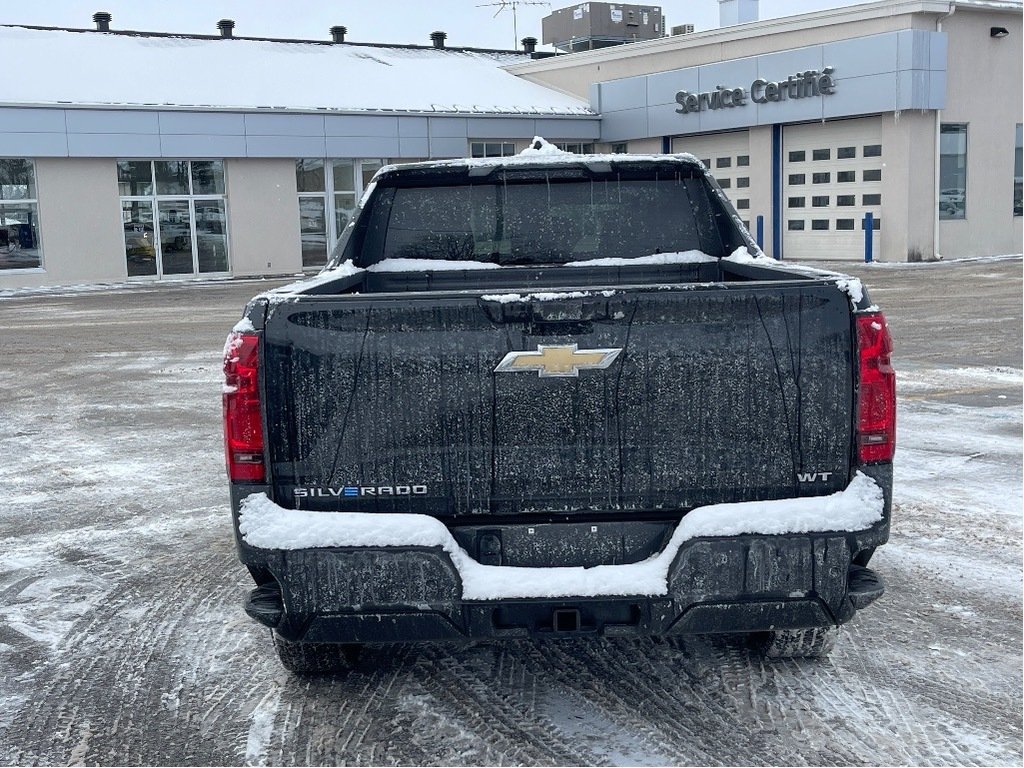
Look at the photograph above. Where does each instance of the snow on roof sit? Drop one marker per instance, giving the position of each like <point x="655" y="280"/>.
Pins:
<point x="92" y="68"/>
<point x="544" y="157"/>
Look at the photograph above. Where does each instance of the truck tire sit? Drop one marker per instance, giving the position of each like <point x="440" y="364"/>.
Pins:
<point x="813" y="643"/>
<point x="316" y="658"/>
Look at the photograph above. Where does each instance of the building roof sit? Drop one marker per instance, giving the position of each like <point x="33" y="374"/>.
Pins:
<point x="85" y="67"/>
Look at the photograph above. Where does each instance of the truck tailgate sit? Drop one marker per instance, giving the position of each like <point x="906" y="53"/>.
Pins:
<point x="720" y="393"/>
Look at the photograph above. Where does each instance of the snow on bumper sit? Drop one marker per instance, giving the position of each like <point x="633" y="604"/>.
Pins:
<point x="265" y="525"/>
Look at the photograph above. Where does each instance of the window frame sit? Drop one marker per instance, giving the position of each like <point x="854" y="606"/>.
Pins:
<point x="584" y="147"/>
<point x="474" y="143"/>
<point x="328" y="195"/>
<point x="33" y="202"/>
<point x="1018" y="167"/>
<point x="191" y="199"/>
<point x="959" y="208"/>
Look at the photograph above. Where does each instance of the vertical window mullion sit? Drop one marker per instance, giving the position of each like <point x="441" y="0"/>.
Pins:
<point x="159" y="241"/>
<point x="332" y="235"/>
<point x="192" y="226"/>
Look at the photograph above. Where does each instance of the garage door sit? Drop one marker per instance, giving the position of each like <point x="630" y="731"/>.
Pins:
<point x="727" y="155"/>
<point x="832" y="176"/>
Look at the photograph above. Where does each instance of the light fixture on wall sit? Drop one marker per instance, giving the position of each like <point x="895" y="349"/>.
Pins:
<point x="998" y="32"/>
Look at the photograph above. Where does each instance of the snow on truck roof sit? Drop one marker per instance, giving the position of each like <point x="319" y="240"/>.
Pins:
<point x="84" y="67"/>
<point x="542" y="154"/>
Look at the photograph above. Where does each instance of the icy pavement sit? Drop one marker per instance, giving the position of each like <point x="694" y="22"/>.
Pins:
<point x="122" y="639"/>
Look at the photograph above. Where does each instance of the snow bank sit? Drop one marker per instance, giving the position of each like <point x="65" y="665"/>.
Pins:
<point x="266" y="525"/>
<point x="943" y="262"/>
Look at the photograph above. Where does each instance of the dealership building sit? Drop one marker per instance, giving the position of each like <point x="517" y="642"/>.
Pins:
<point x="145" y="156"/>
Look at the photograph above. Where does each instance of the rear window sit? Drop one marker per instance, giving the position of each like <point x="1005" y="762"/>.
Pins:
<point x="543" y="220"/>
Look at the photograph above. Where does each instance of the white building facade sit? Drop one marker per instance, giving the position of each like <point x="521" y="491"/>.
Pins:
<point x="907" y="111"/>
<point x="241" y="164"/>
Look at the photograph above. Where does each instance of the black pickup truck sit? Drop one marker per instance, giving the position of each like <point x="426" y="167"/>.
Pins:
<point x="557" y="395"/>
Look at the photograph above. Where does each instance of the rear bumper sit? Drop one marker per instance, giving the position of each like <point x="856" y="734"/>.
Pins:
<point x="744" y="583"/>
<point x="735" y="584"/>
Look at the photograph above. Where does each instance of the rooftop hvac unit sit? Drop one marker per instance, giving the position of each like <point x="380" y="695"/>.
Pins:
<point x="589" y="25"/>
<point x="682" y="29"/>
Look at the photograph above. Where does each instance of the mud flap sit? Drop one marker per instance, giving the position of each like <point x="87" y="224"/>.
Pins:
<point x="865" y="586"/>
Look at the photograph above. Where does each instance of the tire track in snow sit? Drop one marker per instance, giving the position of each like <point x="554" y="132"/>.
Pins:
<point x="505" y="718"/>
<point x="608" y="683"/>
<point x="121" y="663"/>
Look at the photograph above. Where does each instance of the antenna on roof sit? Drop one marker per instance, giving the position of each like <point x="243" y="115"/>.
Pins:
<point x="504" y="5"/>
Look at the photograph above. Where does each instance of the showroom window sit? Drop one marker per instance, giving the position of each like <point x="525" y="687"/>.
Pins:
<point x="1017" y="173"/>
<point x="19" y="216"/>
<point x="953" y="171"/>
<point x="174" y="215"/>
<point x="328" y="193"/>
<point x="577" y="148"/>
<point x="491" y="149"/>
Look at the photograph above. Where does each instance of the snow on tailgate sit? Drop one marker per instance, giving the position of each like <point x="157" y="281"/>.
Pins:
<point x="266" y="525"/>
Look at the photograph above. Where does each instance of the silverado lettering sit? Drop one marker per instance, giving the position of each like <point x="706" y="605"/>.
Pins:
<point x="360" y="490"/>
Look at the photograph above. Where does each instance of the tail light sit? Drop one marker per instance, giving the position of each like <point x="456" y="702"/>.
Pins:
<point x="243" y="426"/>
<point x="876" y="395"/>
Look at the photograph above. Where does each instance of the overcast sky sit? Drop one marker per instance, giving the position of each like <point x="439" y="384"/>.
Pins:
<point x="378" y="21"/>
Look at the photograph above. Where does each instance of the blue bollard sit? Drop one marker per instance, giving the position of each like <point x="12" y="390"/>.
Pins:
<point x="869" y="231"/>
<point x="760" y="232"/>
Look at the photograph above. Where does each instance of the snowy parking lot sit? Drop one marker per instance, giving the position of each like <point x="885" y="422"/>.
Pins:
<point x="123" y="641"/>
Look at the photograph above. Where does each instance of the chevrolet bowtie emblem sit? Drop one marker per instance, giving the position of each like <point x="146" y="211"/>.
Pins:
<point x="558" y="360"/>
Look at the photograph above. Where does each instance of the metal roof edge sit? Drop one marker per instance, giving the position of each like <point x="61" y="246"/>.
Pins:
<point x="1004" y="6"/>
<point x="293" y="41"/>
<point x="295" y="110"/>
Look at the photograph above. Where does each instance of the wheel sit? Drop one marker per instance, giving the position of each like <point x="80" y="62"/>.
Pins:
<point x="315" y="658"/>
<point x="813" y="643"/>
